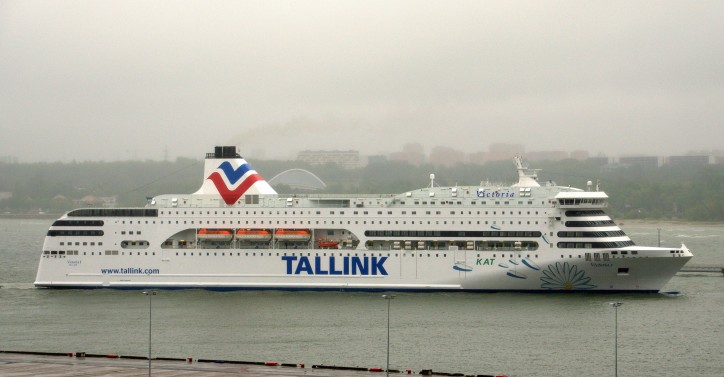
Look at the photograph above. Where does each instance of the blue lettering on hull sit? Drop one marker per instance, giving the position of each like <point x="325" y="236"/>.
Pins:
<point x="481" y="193"/>
<point x="362" y="266"/>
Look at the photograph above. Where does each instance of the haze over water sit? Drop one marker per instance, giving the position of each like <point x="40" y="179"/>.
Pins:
<point x="124" y="79"/>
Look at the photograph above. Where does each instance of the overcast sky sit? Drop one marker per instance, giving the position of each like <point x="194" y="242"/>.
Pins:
<point x="120" y="79"/>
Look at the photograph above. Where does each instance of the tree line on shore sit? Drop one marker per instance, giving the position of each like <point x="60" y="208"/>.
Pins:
<point x="691" y="193"/>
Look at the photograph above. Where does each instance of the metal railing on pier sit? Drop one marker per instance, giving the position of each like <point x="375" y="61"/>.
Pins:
<point x="704" y="269"/>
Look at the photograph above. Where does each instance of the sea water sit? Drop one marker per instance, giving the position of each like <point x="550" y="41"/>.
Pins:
<point x="495" y="333"/>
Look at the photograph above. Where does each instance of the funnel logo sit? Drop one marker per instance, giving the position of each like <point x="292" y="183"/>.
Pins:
<point x="236" y="181"/>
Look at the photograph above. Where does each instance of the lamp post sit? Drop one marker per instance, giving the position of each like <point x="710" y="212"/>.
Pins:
<point x="615" y="311"/>
<point x="658" y="231"/>
<point x="150" y="294"/>
<point x="388" y="298"/>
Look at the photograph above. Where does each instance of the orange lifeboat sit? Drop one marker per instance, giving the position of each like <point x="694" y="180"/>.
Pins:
<point x="215" y="234"/>
<point x="253" y="234"/>
<point x="326" y="244"/>
<point x="292" y="234"/>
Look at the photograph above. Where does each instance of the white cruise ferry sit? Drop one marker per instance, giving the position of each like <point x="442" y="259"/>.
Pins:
<point x="236" y="232"/>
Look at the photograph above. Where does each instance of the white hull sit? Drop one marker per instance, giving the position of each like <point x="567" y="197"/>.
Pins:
<point x="413" y="272"/>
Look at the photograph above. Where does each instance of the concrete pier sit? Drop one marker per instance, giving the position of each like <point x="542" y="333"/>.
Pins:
<point x="704" y="269"/>
<point x="27" y="364"/>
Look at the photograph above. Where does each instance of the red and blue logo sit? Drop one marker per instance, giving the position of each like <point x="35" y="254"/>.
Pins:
<point x="243" y="174"/>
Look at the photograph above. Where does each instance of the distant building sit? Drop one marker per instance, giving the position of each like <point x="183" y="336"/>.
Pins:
<point x="546" y="156"/>
<point x="446" y="156"/>
<point x="376" y="159"/>
<point x="478" y="158"/>
<point x="598" y="161"/>
<point x="507" y="149"/>
<point x="481" y="158"/>
<point x="96" y="201"/>
<point x="344" y="159"/>
<point x="647" y="162"/>
<point x="8" y="159"/>
<point x="5" y="195"/>
<point x="497" y="152"/>
<point x="412" y="153"/>
<point x="579" y="155"/>
<point x="689" y="160"/>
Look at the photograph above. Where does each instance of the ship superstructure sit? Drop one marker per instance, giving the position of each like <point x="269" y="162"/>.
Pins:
<point x="236" y="232"/>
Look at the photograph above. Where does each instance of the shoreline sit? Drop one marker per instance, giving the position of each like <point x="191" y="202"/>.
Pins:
<point x="34" y="216"/>
<point x="623" y="222"/>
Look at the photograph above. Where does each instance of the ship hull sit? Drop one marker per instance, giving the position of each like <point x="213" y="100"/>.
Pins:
<point x="419" y="271"/>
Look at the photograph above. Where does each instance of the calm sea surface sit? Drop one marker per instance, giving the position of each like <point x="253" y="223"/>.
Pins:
<point x="499" y="333"/>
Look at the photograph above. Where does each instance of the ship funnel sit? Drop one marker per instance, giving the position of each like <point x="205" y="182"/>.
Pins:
<point x="227" y="174"/>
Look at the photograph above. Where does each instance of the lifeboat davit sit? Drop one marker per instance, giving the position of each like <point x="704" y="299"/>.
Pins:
<point x="253" y="234"/>
<point x="292" y="234"/>
<point x="215" y="234"/>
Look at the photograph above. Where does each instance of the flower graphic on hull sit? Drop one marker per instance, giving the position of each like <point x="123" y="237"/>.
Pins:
<point x="564" y="276"/>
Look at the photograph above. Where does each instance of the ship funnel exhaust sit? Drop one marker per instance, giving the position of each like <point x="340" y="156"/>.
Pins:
<point x="227" y="174"/>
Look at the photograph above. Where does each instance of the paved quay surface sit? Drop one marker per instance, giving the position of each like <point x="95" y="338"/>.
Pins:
<point x="24" y="365"/>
